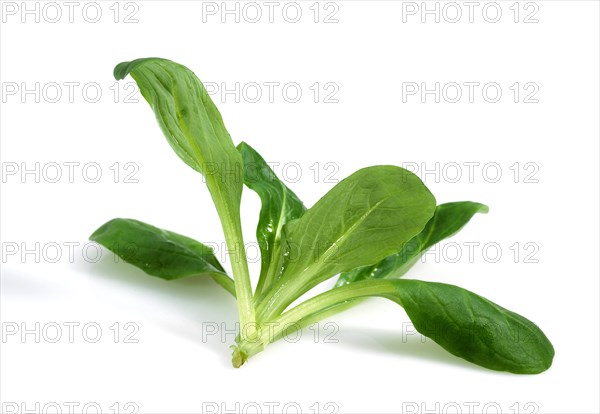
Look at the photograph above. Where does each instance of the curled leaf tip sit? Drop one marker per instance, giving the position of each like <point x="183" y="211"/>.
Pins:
<point x="121" y="70"/>
<point x="124" y="68"/>
<point x="483" y="209"/>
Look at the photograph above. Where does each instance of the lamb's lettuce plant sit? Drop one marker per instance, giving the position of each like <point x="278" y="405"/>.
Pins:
<point x="369" y="229"/>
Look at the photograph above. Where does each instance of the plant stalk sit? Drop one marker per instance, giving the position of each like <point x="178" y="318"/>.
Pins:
<point x="241" y="275"/>
<point x="313" y="310"/>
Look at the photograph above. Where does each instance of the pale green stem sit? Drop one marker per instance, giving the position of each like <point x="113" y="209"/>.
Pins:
<point x="311" y="311"/>
<point x="241" y="275"/>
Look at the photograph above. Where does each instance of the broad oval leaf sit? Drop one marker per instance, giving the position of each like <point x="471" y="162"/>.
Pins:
<point x="160" y="253"/>
<point x="474" y="328"/>
<point x="279" y="205"/>
<point x="462" y="322"/>
<point x="449" y="219"/>
<point x="363" y="219"/>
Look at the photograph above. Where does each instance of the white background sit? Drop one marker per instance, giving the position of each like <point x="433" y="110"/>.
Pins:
<point x="369" y="54"/>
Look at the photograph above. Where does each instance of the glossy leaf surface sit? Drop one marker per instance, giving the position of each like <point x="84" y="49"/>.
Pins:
<point x="462" y="322"/>
<point x="449" y="219"/>
<point x="279" y="205"/>
<point x="363" y="219"/>
<point x="160" y="253"/>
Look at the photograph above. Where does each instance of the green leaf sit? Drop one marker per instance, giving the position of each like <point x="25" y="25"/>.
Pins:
<point x="363" y="219"/>
<point x="188" y="118"/>
<point x="279" y="205"/>
<point x="474" y="328"/>
<point x="194" y="128"/>
<point x="465" y="324"/>
<point x="160" y="253"/>
<point x="448" y="220"/>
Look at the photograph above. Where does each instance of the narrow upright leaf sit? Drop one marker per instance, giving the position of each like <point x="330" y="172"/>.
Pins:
<point x="449" y="219"/>
<point x="279" y="205"/>
<point x="191" y="123"/>
<point x="194" y="127"/>
<point x="160" y="253"/>
<point x="363" y="219"/>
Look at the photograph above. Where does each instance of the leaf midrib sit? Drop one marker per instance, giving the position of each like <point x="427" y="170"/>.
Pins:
<point x="315" y="266"/>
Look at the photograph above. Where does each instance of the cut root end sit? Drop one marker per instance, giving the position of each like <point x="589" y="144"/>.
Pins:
<point x="238" y="358"/>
